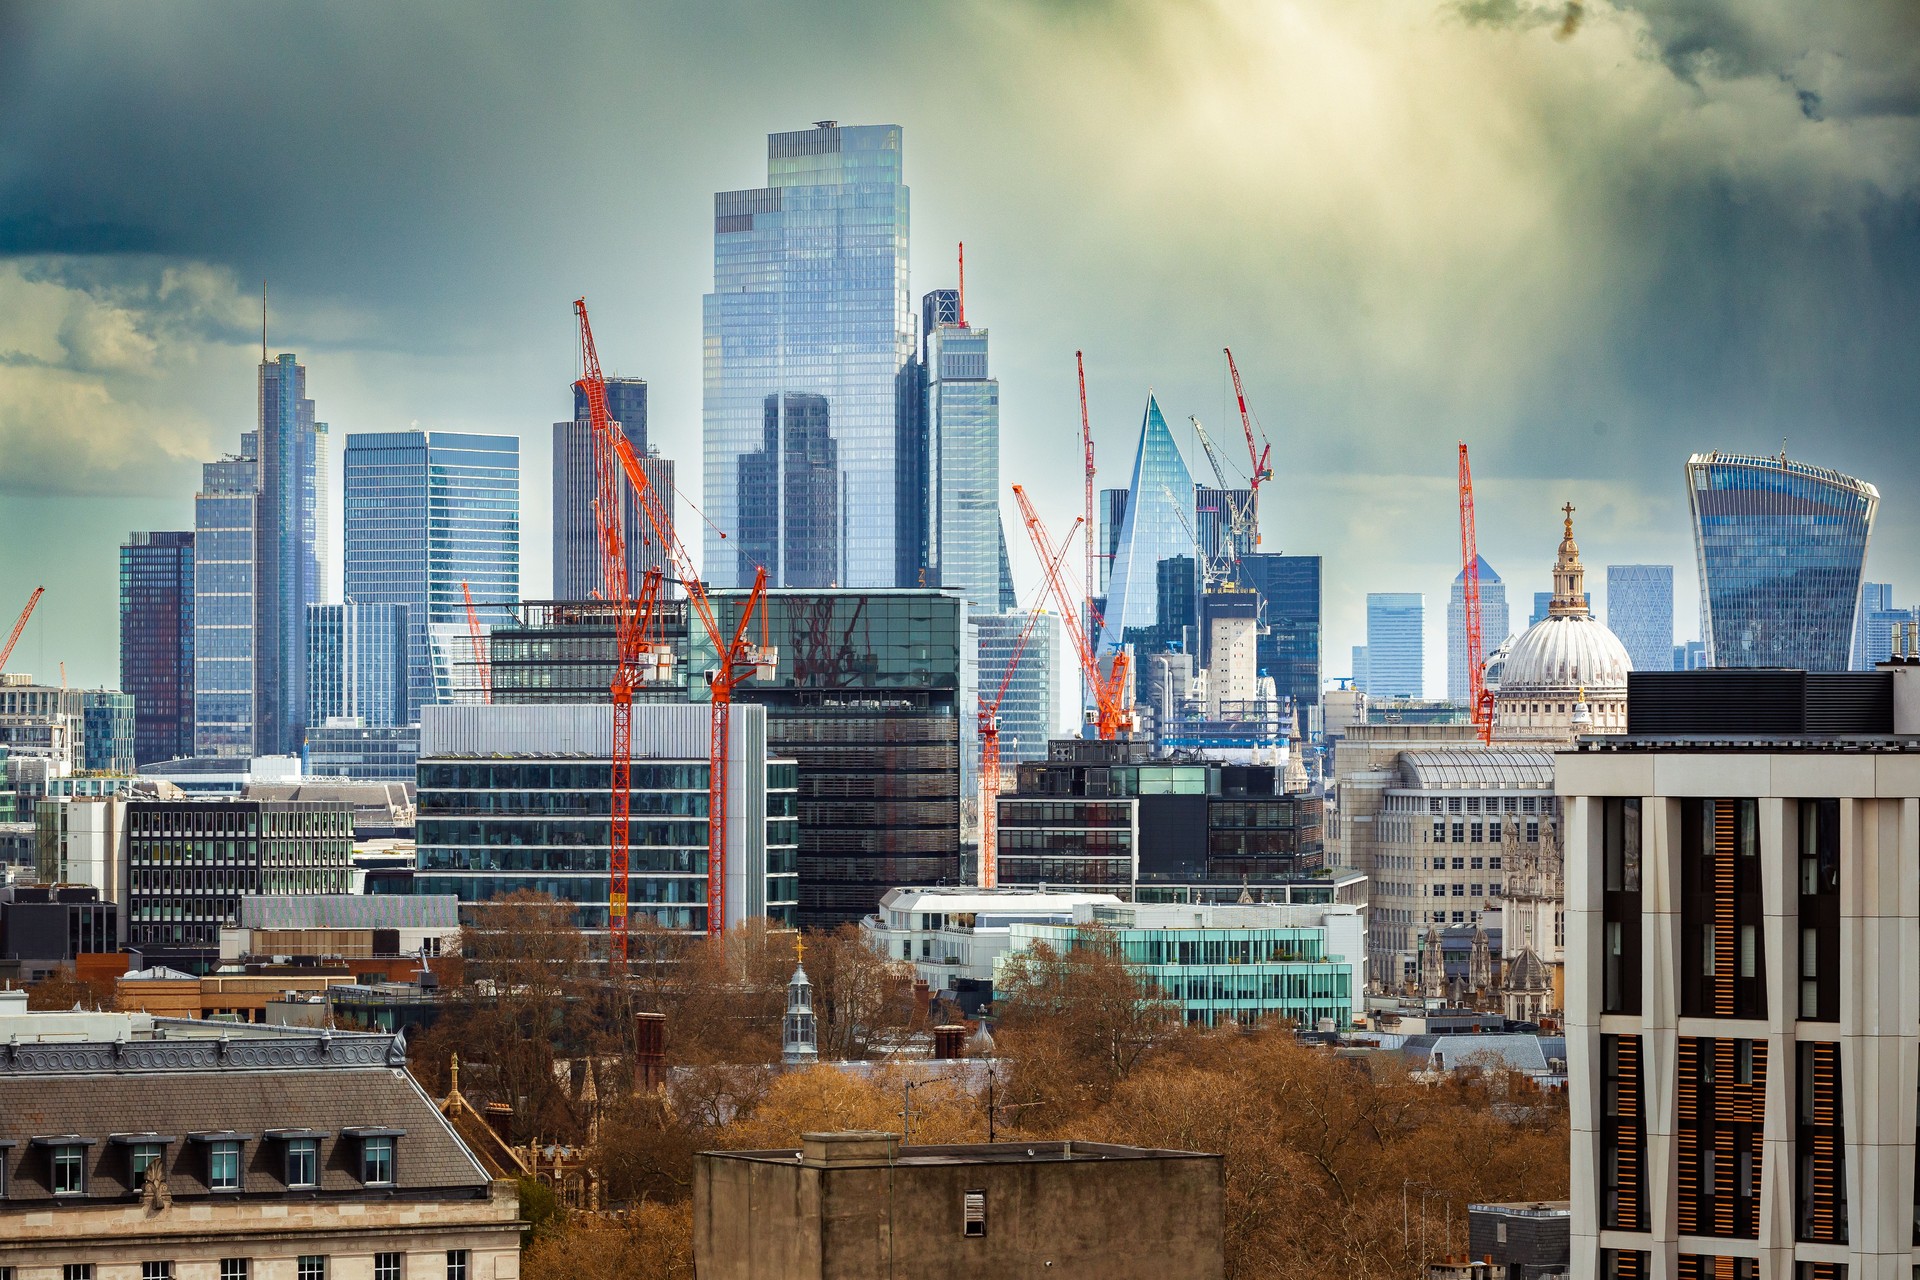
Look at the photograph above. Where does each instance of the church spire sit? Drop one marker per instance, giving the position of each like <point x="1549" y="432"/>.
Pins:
<point x="799" y="1033"/>
<point x="1569" y="575"/>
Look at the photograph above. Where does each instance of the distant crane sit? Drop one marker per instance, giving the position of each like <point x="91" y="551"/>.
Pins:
<point x="1257" y="456"/>
<point x="14" y="637"/>
<point x="735" y="659"/>
<point x="1113" y="716"/>
<point x="1479" y="700"/>
<point x="481" y="665"/>
<point x="1088" y="618"/>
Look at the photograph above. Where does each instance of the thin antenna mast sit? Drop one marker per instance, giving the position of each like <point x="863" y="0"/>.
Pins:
<point x="263" y="322"/>
<point x="961" y="318"/>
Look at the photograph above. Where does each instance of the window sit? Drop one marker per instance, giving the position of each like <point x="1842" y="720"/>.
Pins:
<point x="311" y="1266"/>
<point x="386" y="1266"/>
<point x="303" y="1162"/>
<point x="1473" y="864"/>
<point x="77" y="1271"/>
<point x="223" y="1165"/>
<point x="235" y="1269"/>
<point x="376" y="1159"/>
<point x="69" y="1164"/>
<point x="156" y="1271"/>
<point x="973" y="1213"/>
<point x="139" y="1156"/>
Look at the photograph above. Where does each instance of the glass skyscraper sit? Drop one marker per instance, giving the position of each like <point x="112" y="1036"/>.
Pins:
<point x="357" y="664"/>
<point x="1873" y="635"/>
<point x="813" y="462"/>
<point x="426" y="512"/>
<point x="1158" y="524"/>
<point x="576" y="531"/>
<point x="1396" y="644"/>
<point x="1289" y="589"/>
<point x="962" y="405"/>
<point x="1494" y="626"/>
<point x="156" y="642"/>
<point x="1640" y="612"/>
<point x="223" y="584"/>
<point x="1782" y="546"/>
<point x="1030" y="710"/>
<point x="289" y="533"/>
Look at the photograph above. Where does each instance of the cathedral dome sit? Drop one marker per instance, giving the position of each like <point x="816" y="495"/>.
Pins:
<point x="1566" y="676"/>
<point x="1565" y="655"/>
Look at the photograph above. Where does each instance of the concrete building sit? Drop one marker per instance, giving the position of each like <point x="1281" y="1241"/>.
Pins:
<point x="1494" y="626"/>
<point x="156" y="642"/>
<point x="353" y="926"/>
<point x="141" y="1146"/>
<point x="517" y="797"/>
<point x="852" y="1206"/>
<point x="1741" y="1018"/>
<point x="953" y="936"/>
<point x="1396" y="644"/>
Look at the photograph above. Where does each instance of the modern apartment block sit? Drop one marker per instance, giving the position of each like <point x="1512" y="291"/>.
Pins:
<point x="156" y="642"/>
<point x="426" y="512"/>
<point x="1742" y="1017"/>
<point x="808" y="423"/>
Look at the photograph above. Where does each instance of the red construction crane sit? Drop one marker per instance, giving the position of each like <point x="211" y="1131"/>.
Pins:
<point x="1113" y="714"/>
<point x="1479" y="700"/>
<point x="990" y="740"/>
<point x="14" y="637"/>
<point x="1089" y="620"/>
<point x="480" y="663"/>
<point x="1256" y="454"/>
<point x="735" y="659"/>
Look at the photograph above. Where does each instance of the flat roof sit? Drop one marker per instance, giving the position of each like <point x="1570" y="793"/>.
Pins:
<point x="977" y="1153"/>
<point x="1846" y="744"/>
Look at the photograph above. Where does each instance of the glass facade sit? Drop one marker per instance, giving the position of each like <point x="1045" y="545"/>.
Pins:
<point x="1494" y="626"/>
<point x="1781" y="547"/>
<point x="108" y="719"/>
<point x="1029" y="709"/>
<point x="288" y="552"/>
<point x="1873" y="635"/>
<point x="963" y="450"/>
<point x="156" y="642"/>
<point x="576" y="536"/>
<point x="1289" y="652"/>
<point x="1396" y="644"/>
<point x="363" y="753"/>
<point x="356" y="664"/>
<point x="810" y="434"/>
<point x="223" y="587"/>
<point x="426" y="512"/>
<point x="1640" y="612"/>
<point x="1158" y="523"/>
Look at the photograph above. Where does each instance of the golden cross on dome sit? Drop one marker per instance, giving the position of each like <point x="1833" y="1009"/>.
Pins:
<point x="1569" y="510"/>
<point x="799" y="949"/>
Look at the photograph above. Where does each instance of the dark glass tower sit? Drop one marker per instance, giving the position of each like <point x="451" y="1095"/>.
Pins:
<point x="810" y="312"/>
<point x="576" y="532"/>
<point x="156" y="642"/>
<point x="1781" y="547"/>
<point x="1289" y="650"/>
<point x="288" y="533"/>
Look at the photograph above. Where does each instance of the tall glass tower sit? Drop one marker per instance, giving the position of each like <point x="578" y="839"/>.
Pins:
<point x="1030" y="710"/>
<point x="156" y="642"/>
<point x="223" y="591"/>
<point x="576" y="530"/>
<point x="289" y="552"/>
<point x="357" y="664"/>
<point x="1640" y="612"/>
<point x="1494" y="626"/>
<point x="1781" y="547"/>
<point x="1396" y="644"/>
<point x="963" y="455"/>
<point x="1157" y="525"/>
<point x="426" y="512"/>
<point x="809" y="426"/>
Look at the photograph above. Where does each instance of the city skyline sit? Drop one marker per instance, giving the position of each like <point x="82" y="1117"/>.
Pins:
<point x="430" y="309"/>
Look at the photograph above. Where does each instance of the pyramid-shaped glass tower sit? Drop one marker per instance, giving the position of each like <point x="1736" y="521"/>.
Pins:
<point x="1156" y="527"/>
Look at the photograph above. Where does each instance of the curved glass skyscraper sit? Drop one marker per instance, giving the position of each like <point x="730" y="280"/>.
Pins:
<point x="1781" y="547"/>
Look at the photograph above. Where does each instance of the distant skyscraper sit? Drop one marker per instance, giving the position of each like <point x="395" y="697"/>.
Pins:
<point x="1029" y="711"/>
<point x="1542" y="600"/>
<point x="1493" y="626"/>
<point x="1396" y="644"/>
<point x="1781" y="548"/>
<point x="576" y="530"/>
<point x="425" y="512"/>
<point x="962" y="409"/>
<point x="1640" y="612"/>
<point x="1690" y="656"/>
<point x="1289" y="588"/>
<point x="223" y="614"/>
<point x="1158" y="523"/>
<point x="809" y="333"/>
<point x="1360" y="667"/>
<point x="1879" y="616"/>
<point x="156" y="642"/>
<point x="1112" y="513"/>
<point x="357" y="664"/>
<point x="289" y="538"/>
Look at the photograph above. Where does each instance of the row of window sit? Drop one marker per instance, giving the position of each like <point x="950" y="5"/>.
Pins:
<point x="307" y="1266"/>
<point x="1478" y="833"/>
<point x="67" y="1160"/>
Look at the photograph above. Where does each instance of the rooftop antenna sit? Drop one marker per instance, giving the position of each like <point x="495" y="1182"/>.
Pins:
<point x="263" y="322"/>
<point x="961" y="318"/>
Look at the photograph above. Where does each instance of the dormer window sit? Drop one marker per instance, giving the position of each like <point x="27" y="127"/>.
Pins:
<point x="300" y="1149"/>
<point x="376" y="1154"/>
<point x="223" y="1158"/>
<point x="66" y="1163"/>
<point x="143" y="1151"/>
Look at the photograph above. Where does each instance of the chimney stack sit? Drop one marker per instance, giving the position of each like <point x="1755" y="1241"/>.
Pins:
<point x="649" y="1052"/>
<point x="949" y="1040"/>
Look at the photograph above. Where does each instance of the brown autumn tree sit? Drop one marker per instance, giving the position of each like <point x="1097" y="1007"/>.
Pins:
<point x="64" y="989"/>
<point x="653" y="1241"/>
<point x="861" y="998"/>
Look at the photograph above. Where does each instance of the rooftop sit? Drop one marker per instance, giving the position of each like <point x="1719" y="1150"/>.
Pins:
<point x="350" y="911"/>
<point x="870" y="1149"/>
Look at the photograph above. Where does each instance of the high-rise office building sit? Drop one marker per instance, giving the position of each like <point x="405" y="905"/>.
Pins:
<point x="576" y="530"/>
<point x="1289" y="589"/>
<point x="1157" y="524"/>
<point x="1029" y="712"/>
<point x="1493" y="626"/>
<point x="289" y="551"/>
<point x="357" y="665"/>
<point x="962" y="407"/>
<point x="1640" y="612"/>
<point x="1543" y="606"/>
<point x="809" y="428"/>
<point x="425" y="513"/>
<point x="1112" y="514"/>
<point x="1360" y="667"/>
<point x="223" y="591"/>
<point x="1879" y="618"/>
<point x="156" y="642"/>
<point x="1396" y="644"/>
<point x="1781" y="546"/>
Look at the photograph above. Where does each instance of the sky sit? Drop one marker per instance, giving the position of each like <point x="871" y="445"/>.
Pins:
<point x="1587" y="238"/>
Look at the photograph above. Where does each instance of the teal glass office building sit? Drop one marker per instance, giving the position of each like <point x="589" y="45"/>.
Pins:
<point x="810" y="431"/>
<point x="426" y="512"/>
<point x="1781" y="547"/>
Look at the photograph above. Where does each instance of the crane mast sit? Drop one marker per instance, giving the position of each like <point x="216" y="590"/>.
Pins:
<point x="1479" y="701"/>
<point x="483" y="668"/>
<point x="13" y="637"/>
<point x="1088" y="620"/>
<point x="1257" y="455"/>
<point x="1113" y="717"/>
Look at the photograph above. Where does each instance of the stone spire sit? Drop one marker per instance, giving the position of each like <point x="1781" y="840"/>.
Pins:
<point x="799" y="1038"/>
<point x="1569" y="576"/>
